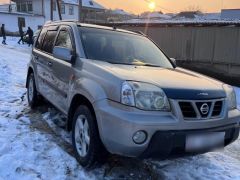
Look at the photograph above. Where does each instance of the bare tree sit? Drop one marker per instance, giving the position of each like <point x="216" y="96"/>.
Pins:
<point x="194" y="8"/>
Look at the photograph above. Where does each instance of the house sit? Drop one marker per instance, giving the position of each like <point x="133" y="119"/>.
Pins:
<point x="91" y="11"/>
<point x="35" y="13"/>
<point x="118" y="15"/>
<point x="188" y="15"/>
<point x="12" y="17"/>
<point x="230" y="14"/>
<point x="7" y="7"/>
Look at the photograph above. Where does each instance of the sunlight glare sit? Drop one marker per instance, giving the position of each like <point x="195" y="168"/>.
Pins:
<point x="152" y="6"/>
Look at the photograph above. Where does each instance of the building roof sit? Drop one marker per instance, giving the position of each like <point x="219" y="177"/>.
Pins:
<point x="211" y="16"/>
<point x="120" y="12"/>
<point x="156" y="15"/>
<point x="185" y="22"/>
<point x="230" y="9"/>
<point x="85" y="3"/>
<point x="230" y="14"/>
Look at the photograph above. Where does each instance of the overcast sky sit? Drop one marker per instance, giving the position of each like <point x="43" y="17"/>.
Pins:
<point x="138" y="6"/>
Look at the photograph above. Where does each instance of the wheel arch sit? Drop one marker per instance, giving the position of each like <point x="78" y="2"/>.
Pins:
<point x="78" y="100"/>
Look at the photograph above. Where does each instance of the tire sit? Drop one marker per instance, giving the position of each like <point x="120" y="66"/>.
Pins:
<point x="32" y="94"/>
<point x="85" y="131"/>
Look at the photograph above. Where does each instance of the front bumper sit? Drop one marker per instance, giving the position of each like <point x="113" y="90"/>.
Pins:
<point x="165" y="143"/>
<point x="166" y="131"/>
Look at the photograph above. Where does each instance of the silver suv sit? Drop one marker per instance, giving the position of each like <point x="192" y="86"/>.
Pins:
<point x="123" y="95"/>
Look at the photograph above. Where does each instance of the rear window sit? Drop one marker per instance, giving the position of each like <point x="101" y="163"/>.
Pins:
<point x="49" y="41"/>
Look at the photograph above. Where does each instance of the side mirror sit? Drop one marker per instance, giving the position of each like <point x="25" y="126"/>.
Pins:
<point x="174" y="62"/>
<point x="63" y="53"/>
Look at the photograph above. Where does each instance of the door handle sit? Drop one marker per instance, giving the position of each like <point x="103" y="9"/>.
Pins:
<point x="49" y="64"/>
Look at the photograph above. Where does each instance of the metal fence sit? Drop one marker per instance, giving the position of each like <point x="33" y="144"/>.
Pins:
<point x="211" y="49"/>
<point x="204" y="44"/>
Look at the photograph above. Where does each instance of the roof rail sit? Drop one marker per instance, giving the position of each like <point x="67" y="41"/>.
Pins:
<point x="58" y="21"/>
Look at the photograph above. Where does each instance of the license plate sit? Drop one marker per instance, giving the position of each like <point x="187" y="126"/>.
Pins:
<point x="204" y="142"/>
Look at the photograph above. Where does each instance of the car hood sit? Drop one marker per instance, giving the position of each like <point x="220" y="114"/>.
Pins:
<point x="177" y="83"/>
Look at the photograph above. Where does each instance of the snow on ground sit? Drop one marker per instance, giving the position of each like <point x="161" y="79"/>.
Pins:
<point x="26" y="153"/>
<point x="34" y="144"/>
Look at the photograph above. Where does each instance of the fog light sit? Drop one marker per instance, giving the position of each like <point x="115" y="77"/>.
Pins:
<point x="139" y="137"/>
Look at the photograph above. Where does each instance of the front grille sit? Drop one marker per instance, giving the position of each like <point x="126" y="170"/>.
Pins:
<point x="201" y="109"/>
<point x="217" y="108"/>
<point x="187" y="110"/>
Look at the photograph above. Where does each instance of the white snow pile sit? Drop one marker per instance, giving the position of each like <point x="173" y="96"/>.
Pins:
<point x="34" y="146"/>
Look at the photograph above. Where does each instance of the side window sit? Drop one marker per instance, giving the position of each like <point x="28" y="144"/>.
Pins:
<point x="49" y="41"/>
<point x="64" y="39"/>
<point x="40" y="39"/>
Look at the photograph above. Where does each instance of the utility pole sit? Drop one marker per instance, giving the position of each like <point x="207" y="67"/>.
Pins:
<point x="51" y="10"/>
<point x="79" y="10"/>
<point x="59" y="10"/>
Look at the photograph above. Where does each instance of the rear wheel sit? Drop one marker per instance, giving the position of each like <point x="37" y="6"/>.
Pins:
<point x="86" y="142"/>
<point x="32" y="94"/>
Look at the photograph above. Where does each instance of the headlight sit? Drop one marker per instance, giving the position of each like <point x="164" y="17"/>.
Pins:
<point x="127" y="96"/>
<point x="144" y="96"/>
<point x="231" y="96"/>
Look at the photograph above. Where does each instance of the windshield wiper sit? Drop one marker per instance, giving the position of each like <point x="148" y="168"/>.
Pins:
<point x="135" y="64"/>
<point x="119" y="63"/>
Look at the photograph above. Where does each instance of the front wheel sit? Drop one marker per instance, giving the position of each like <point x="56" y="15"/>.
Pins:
<point x="32" y="94"/>
<point x="87" y="145"/>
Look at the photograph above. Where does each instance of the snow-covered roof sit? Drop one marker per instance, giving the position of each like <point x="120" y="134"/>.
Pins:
<point x="212" y="16"/>
<point x="155" y="15"/>
<point x="230" y="14"/>
<point x="182" y="21"/>
<point x="85" y="3"/>
<point x="120" y="12"/>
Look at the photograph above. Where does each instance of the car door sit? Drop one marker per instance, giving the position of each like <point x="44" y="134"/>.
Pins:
<point x="43" y="58"/>
<point x="62" y="70"/>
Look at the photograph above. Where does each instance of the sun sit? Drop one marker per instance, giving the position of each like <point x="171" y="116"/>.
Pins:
<point x="152" y="5"/>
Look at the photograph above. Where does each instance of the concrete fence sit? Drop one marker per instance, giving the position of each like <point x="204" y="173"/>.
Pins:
<point x="213" y="50"/>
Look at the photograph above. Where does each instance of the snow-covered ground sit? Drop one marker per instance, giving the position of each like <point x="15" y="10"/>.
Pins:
<point x="25" y="151"/>
<point x="34" y="144"/>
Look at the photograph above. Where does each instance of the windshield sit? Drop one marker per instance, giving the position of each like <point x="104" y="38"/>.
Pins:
<point x="121" y="48"/>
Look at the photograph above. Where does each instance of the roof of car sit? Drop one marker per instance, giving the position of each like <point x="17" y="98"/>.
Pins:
<point x="67" y="22"/>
